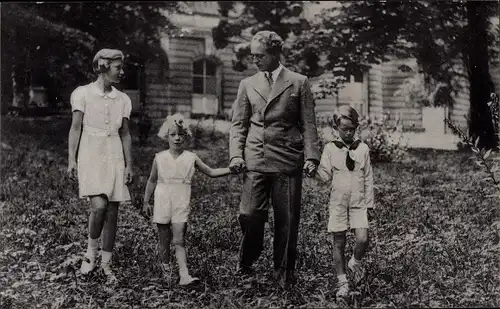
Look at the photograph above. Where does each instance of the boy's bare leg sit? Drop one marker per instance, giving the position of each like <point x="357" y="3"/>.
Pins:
<point x="361" y="243"/>
<point x="339" y="240"/>
<point x="355" y="264"/>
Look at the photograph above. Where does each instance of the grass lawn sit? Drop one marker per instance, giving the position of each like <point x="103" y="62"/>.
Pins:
<point x="434" y="241"/>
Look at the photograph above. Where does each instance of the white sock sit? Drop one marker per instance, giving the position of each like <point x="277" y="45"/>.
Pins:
<point x="92" y="248"/>
<point x="354" y="261"/>
<point x="106" y="257"/>
<point x="342" y="278"/>
<point x="183" y="273"/>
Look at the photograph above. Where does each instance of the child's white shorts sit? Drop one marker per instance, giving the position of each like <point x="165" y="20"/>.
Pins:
<point x="343" y="218"/>
<point x="171" y="203"/>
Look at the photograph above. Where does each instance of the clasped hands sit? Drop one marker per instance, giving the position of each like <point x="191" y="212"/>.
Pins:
<point x="237" y="165"/>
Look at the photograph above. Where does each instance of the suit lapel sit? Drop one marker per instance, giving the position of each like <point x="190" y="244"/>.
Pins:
<point x="259" y="83"/>
<point x="280" y="85"/>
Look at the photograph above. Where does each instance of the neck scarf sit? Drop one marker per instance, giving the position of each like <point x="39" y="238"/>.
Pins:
<point x="349" y="162"/>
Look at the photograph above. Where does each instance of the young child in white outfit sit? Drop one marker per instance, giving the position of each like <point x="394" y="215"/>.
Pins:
<point x="345" y="163"/>
<point x="170" y="179"/>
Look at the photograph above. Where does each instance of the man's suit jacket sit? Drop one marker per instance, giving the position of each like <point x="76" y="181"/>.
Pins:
<point x="274" y="130"/>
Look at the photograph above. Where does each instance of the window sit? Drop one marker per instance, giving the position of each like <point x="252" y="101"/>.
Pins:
<point x="205" y="77"/>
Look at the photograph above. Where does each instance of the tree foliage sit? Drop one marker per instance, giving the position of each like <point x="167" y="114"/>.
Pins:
<point x="351" y="36"/>
<point x="134" y="27"/>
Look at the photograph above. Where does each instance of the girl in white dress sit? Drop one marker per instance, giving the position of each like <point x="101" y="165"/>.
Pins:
<point x="100" y="153"/>
<point x="170" y="179"/>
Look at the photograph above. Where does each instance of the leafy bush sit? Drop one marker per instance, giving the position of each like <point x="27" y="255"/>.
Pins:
<point x="489" y="159"/>
<point x="205" y="132"/>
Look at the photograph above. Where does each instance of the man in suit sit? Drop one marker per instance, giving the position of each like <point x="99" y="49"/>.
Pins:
<point x="273" y="137"/>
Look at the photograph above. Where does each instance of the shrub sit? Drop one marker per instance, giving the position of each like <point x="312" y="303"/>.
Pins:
<point x="486" y="158"/>
<point x="204" y="132"/>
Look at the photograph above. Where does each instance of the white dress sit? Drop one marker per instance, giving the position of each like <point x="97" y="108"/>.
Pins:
<point x="173" y="187"/>
<point x="101" y="164"/>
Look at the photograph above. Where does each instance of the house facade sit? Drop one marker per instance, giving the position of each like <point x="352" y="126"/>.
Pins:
<point x="199" y="80"/>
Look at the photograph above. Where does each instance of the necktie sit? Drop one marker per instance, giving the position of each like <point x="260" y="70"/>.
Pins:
<point x="349" y="162"/>
<point x="269" y="77"/>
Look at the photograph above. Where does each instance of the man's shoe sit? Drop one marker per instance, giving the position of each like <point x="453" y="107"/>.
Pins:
<point x="245" y="271"/>
<point x="285" y="279"/>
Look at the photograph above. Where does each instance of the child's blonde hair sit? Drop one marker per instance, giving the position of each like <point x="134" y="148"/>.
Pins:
<point x="346" y="112"/>
<point x="173" y="120"/>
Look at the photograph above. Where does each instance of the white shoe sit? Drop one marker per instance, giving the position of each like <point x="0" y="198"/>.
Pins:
<point x="358" y="271"/>
<point x="108" y="271"/>
<point x="343" y="289"/>
<point x="187" y="280"/>
<point x="88" y="265"/>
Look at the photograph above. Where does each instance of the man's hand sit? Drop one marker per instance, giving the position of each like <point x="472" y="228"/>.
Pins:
<point x="310" y="167"/>
<point x="237" y="165"/>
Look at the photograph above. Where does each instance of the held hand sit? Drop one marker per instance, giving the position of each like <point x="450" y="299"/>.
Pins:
<point x="370" y="214"/>
<point x="72" y="170"/>
<point x="129" y="175"/>
<point x="147" y="208"/>
<point x="310" y="168"/>
<point x="237" y="165"/>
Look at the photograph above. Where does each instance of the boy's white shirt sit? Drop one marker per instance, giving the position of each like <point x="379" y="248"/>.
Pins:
<point x="361" y="156"/>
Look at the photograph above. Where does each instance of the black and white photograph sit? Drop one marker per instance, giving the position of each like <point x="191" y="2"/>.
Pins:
<point x="250" y="154"/>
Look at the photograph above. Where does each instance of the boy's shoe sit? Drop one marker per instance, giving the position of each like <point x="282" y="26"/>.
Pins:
<point x="88" y="265"/>
<point x="188" y="280"/>
<point x="108" y="272"/>
<point x="357" y="269"/>
<point x="166" y="270"/>
<point x="342" y="289"/>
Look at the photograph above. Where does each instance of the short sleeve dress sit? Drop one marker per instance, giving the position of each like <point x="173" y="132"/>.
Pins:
<point x="173" y="187"/>
<point x="101" y="164"/>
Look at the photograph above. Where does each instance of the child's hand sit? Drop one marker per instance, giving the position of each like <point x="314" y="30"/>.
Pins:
<point x="147" y="208"/>
<point x="72" y="170"/>
<point x="370" y="214"/>
<point x="310" y="168"/>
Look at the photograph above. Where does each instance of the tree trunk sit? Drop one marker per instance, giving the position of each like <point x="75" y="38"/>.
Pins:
<point x="481" y="85"/>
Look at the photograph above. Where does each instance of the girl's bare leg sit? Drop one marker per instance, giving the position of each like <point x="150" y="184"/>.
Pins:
<point x="109" y="236"/>
<point x="164" y="236"/>
<point x="96" y="221"/>
<point x="179" y="230"/>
